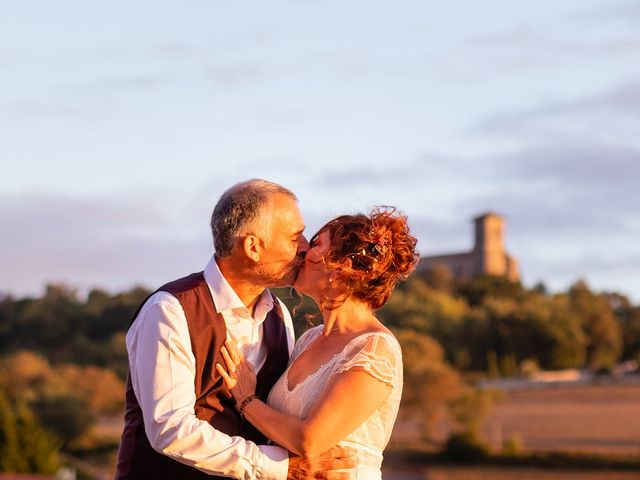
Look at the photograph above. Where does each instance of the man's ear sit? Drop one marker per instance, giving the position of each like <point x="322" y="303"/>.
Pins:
<point x="251" y="247"/>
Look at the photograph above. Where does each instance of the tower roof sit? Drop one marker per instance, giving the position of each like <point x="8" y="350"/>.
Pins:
<point x="488" y="215"/>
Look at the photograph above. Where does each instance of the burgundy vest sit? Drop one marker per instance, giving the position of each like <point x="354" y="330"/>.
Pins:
<point x="137" y="460"/>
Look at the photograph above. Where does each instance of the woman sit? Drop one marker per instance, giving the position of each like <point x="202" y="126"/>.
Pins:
<point x="344" y="379"/>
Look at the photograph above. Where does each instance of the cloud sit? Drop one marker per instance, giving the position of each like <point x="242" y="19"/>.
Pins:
<point x="627" y="12"/>
<point x="530" y="44"/>
<point x="614" y="111"/>
<point x="593" y="167"/>
<point x="583" y="151"/>
<point x="111" y="242"/>
<point x="442" y="236"/>
<point x="426" y="166"/>
<point x="237" y="74"/>
<point x="521" y="38"/>
<point x="59" y="215"/>
<point x="569" y="189"/>
<point x="27" y="109"/>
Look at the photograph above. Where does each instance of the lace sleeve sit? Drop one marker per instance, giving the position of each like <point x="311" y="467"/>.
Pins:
<point x="379" y="356"/>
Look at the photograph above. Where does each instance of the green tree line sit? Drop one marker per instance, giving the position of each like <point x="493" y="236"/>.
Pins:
<point x="480" y="323"/>
<point x="496" y="326"/>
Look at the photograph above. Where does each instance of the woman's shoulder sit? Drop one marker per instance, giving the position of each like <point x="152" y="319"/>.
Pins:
<point x="381" y="337"/>
<point x="377" y="352"/>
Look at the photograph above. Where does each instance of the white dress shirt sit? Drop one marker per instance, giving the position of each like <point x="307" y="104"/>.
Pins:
<point x="162" y="369"/>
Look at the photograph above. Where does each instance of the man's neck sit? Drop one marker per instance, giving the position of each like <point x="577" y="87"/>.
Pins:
<point x="240" y="281"/>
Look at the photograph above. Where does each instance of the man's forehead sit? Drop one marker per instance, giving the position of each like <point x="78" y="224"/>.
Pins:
<point x="287" y="212"/>
<point x="291" y="222"/>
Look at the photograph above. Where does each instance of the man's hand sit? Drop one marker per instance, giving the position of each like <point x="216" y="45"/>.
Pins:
<point x="331" y="465"/>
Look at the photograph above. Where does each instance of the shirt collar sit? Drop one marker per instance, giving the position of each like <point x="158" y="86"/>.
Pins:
<point x="224" y="296"/>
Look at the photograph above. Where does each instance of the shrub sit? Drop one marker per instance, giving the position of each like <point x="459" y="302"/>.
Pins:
<point x="25" y="446"/>
<point x="465" y="447"/>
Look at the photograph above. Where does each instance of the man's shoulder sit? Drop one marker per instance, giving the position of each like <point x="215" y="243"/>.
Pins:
<point x="184" y="284"/>
<point x="163" y="299"/>
<point x="159" y="305"/>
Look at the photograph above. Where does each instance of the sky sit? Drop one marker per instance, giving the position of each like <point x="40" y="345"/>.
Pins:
<point x="121" y="123"/>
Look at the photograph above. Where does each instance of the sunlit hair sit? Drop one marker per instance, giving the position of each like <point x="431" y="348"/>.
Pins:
<point x="381" y="249"/>
<point x="240" y="211"/>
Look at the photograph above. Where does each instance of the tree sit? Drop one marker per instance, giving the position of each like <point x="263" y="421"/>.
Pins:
<point x="67" y="414"/>
<point x="24" y="374"/>
<point x="603" y="332"/>
<point x="430" y="383"/>
<point x="631" y="334"/>
<point x="475" y="290"/>
<point x="534" y="327"/>
<point x="419" y="307"/>
<point x="25" y="447"/>
<point x="66" y="399"/>
<point x="439" y="278"/>
<point x="628" y="317"/>
<point x="101" y="388"/>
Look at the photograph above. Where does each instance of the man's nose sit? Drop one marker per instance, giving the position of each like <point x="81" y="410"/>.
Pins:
<point x="303" y="246"/>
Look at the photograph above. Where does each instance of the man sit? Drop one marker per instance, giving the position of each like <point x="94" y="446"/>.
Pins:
<point x="180" y="421"/>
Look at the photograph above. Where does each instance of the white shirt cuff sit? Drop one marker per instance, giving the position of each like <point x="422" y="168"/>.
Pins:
<point x="276" y="463"/>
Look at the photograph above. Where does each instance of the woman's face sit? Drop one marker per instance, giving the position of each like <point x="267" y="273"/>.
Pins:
<point x="313" y="277"/>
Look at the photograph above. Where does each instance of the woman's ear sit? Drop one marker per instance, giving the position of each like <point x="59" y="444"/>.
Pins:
<point x="252" y="247"/>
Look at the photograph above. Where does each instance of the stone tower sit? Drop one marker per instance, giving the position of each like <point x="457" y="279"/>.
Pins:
<point x="489" y="244"/>
<point x="487" y="257"/>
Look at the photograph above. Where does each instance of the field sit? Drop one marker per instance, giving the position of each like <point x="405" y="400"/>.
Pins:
<point x="594" y="419"/>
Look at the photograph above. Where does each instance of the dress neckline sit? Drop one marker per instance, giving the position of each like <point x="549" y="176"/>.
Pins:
<point x="329" y="361"/>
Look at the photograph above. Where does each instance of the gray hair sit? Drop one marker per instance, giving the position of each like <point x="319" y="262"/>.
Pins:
<point x="240" y="209"/>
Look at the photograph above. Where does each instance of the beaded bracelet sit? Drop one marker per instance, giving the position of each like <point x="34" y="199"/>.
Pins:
<point x="246" y="402"/>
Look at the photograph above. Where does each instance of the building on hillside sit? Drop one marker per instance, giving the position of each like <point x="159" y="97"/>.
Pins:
<point x="487" y="257"/>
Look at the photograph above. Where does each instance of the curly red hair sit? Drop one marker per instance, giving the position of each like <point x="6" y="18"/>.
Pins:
<point x="381" y="248"/>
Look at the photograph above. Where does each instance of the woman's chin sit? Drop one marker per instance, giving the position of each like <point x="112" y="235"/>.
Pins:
<point x="299" y="286"/>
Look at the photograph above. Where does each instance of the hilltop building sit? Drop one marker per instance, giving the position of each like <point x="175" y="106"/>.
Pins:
<point x="487" y="257"/>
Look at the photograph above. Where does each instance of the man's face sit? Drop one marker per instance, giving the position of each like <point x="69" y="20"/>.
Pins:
<point x="286" y="246"/>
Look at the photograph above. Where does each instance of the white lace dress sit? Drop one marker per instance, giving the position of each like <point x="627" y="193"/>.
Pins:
<point x="370" y="352"/>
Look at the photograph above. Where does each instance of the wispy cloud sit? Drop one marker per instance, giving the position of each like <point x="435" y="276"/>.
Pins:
<point x="619" y="105"/>
<point x="626" y="11"/>
<point x="112" y="242"/>
<point x="424" y="168"/>
<point x="549" y="46"/>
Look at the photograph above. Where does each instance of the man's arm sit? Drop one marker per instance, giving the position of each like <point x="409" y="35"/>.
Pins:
<point x="162" y="368"/>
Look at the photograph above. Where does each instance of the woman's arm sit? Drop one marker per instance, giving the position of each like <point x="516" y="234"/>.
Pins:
<point x="348" y="400"/>
<point x="344" y="405"/>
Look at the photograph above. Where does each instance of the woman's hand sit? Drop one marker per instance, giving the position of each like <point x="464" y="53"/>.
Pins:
<point x="239" y="376"/>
